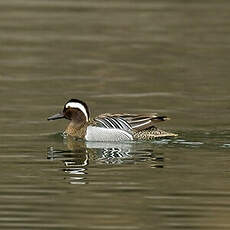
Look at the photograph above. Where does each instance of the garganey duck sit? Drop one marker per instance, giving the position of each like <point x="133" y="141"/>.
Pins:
<point x="109" y="127"/>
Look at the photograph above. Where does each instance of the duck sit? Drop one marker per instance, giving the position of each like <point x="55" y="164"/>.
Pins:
<point x="109" y="127"/>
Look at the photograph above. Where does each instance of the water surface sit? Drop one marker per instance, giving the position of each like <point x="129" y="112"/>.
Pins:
<point x="118" y="56"/>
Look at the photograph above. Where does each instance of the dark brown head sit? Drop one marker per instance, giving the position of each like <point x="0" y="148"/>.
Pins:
<point x="74" y="110"/>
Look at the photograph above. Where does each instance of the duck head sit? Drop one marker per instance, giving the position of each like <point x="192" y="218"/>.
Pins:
<point x="75" y="110"/>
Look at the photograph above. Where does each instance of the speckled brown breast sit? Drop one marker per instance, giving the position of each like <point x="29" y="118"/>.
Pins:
<point x="76" y="131"/>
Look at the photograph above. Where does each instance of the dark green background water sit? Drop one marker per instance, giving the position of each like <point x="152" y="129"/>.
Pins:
<point x="170" y="57"/>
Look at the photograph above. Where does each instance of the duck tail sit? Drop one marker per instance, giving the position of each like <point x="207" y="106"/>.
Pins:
<point x="161" y="118"/>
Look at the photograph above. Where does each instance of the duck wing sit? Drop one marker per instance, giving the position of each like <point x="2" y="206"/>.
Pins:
<point x="128" y="122"/>
<point x="112" y="122"/>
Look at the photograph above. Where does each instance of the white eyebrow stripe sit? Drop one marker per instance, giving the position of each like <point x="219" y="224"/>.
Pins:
<point x="79" y="106"/>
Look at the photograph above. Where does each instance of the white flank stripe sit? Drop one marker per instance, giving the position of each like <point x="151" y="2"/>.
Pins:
<point x="135" y="126"/>
<point x="77" y="105"/>
<point x="141" y="120"/>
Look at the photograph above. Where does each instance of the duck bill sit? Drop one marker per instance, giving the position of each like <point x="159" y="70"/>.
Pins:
<point x="56" y="116"/>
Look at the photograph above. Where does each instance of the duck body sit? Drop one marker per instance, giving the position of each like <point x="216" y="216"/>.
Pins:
<point x="110" y="127"/>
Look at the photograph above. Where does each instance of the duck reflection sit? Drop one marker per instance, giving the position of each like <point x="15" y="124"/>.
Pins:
<point x="78" y="154"/>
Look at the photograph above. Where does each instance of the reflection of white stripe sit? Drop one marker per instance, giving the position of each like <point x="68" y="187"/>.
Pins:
<point x="77" y="105"/>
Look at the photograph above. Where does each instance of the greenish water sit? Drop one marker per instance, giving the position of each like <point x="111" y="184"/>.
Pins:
<point x="170" y="57"/>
